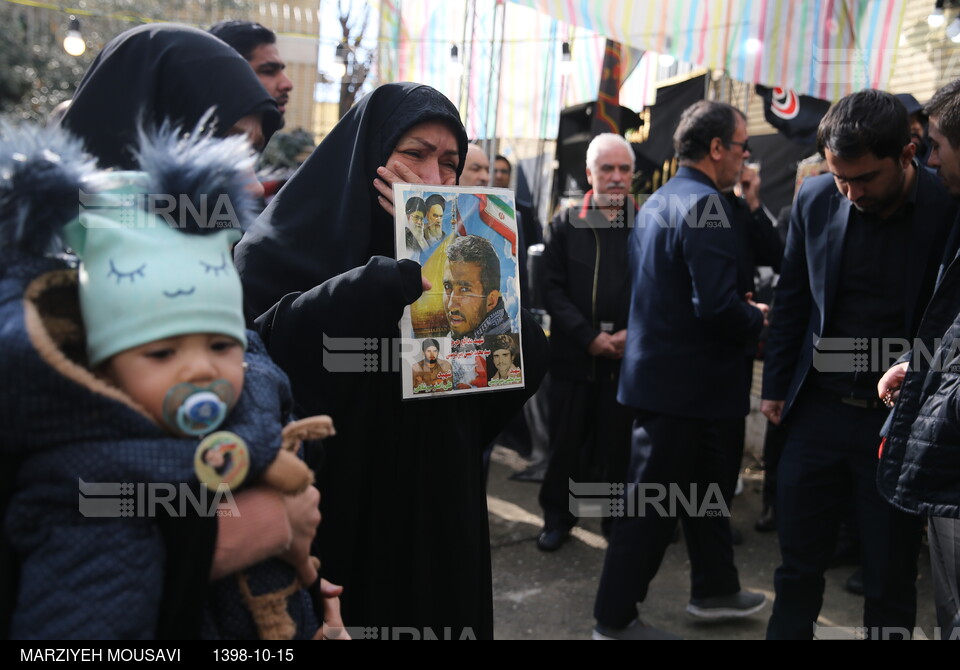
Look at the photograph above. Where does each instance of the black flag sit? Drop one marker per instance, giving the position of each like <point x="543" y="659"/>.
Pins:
<point x="795" y="116"/>
<point x="606" y="117"/>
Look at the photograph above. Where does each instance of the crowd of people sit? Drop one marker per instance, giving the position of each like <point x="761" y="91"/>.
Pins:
<point x="143" y="350"/>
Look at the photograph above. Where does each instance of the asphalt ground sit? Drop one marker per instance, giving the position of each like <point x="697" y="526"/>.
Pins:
<point x="540" y="595"/>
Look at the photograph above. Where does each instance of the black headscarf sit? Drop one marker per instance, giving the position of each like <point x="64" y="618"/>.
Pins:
<point x="326" y="219"/>
<point x="158" y="72"/>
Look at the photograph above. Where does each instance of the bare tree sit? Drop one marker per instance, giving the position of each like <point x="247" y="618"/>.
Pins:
<point x="357" y="59"/>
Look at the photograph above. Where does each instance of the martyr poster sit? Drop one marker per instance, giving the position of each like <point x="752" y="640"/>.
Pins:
<point x="463" y="334"/>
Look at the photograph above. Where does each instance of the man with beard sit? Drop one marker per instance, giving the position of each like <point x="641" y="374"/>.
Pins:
<point x="860" y="265"/>
<point x="473" y="304"/>
<point x="416" y="210"/>
<point x="502" y="169"/>
<point x="258" y="46"/>
<point x="433" y="223"/>
<point x="471" y="287"/>
<point x="431" y="371"/>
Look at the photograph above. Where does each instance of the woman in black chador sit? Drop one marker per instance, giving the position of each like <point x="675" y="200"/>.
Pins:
<point x="404" y="509"/>
<point x="165" y="72"/>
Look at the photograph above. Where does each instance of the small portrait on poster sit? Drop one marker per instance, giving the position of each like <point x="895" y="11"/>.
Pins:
<point x="416" y="213"/>
<point x="503" y="363"/>
<point x="432" y="373"/>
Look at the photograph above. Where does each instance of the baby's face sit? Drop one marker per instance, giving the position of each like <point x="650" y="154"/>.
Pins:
<point x="147" y="372"/>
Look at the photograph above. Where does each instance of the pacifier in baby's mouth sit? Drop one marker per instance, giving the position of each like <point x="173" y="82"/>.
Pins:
<point x="196" y="410"/>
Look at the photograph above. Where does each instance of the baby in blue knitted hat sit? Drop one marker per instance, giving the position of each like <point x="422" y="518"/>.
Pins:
<point x="162" y="308"/>
<point x="167" y="389"/>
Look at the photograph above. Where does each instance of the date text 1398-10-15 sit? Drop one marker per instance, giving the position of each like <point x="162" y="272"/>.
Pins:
<point x="242" y="655"/>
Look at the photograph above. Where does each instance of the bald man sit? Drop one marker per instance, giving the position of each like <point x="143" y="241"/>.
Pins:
<point x="476" y="169"/>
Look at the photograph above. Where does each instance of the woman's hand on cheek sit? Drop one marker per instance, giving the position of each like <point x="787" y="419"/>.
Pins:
<point x="396" y="173"/>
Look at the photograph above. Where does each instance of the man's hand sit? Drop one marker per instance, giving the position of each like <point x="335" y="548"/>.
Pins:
<point x="258" y="531"/>
<point x="603" y="345"/>
<point x="303" y="513"/>
<point x="763" y="307"/>
<point x="749" y="187"/>
<point x="386" y="177"/>
<point x="773" y="410"/>
<point x="619" y="341"/>
<point x="332" y="628"/>
<point x="889" y="386"/>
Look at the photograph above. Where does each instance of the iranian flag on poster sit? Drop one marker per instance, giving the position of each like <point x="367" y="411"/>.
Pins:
<point x="499" y="215"/>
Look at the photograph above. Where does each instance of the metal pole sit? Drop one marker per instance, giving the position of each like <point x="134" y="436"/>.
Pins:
<point x="490" y="136"/>
<point x="464" y="101"/>
<point x="496" y="108"/>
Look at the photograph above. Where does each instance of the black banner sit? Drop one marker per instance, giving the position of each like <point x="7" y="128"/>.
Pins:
<point x="665" y="115"/>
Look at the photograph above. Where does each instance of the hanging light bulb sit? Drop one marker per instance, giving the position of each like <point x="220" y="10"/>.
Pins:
<point x="339" y="68"/>
<point x="753" y="45"/>
<point x="566" y="60"/>
<point x="936" y="18"/>
<point x="73" y="43"/>
<point x="456" y="67"/>
<point x="953" y="30"/>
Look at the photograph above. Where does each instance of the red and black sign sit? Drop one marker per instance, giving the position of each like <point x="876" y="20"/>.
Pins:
<point x="795" y="116"/>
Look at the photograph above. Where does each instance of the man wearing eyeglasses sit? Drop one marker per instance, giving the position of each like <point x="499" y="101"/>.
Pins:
<point x="683" y="373"/>
<point x="859" y="268"/>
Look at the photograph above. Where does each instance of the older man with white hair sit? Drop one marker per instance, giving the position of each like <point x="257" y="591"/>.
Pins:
<point x="586" y="289"/>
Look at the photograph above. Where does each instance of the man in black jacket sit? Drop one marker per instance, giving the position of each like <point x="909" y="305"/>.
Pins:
<point x="919" y="467"/>
<point x="586" y="290"/>
<point x="859" y="268"/>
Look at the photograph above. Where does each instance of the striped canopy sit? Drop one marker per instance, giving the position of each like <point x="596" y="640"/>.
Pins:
<point x="512" y="86"/>
<point x="823" y="48"/>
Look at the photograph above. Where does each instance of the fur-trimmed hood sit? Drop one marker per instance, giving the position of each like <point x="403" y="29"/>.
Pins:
<point x="56" y="403"/>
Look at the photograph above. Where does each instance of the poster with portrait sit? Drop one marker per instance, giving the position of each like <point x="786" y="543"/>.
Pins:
<point x="463" y="334"/>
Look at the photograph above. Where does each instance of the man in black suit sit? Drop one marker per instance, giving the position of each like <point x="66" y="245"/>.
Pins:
<point x="860" y="265"/>
<point x="683" y="373"/>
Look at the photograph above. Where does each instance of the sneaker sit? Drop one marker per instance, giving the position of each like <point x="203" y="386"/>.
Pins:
<point x="635" y="630"/>
<point x="743" y="603"/>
